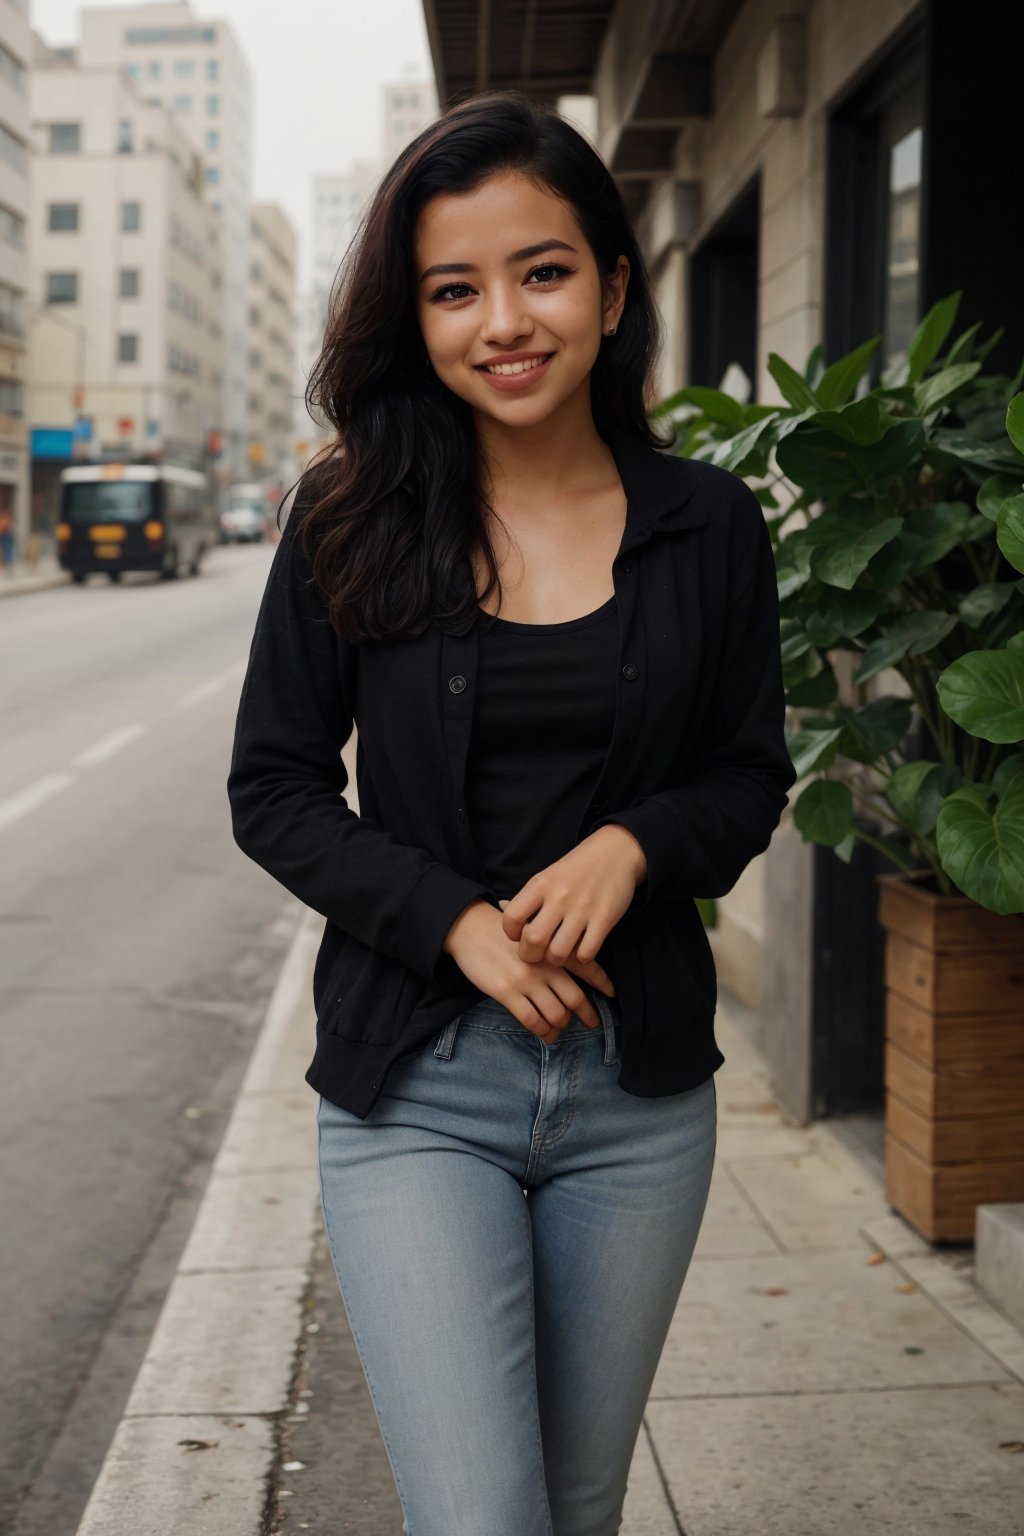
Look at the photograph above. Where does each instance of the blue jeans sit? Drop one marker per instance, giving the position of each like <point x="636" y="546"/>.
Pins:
<point x="509" y="1344"/>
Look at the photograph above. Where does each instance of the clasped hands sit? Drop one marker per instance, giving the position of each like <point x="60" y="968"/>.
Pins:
<point x="528" y="955"/>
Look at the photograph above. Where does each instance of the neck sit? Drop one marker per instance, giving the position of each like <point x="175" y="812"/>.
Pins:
<point x="555" y="456"/>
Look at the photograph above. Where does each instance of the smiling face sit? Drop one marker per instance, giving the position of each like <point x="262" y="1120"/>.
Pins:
<point x="510" y="300"/>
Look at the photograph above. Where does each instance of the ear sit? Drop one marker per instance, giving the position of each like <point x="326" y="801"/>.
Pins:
<point x="615" y="296"/>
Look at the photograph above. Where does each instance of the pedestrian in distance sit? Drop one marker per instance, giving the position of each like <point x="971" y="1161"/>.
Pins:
<point x="559" y="646"/>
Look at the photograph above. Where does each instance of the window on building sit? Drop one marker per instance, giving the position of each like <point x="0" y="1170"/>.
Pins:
<point x="12" y="228"/>
<point x="213" y="138"/>
<point x="212" y="70"/>
<point x="65" y="138"/>
<point x="212" y="106"/>
<point x="12" y="70"/>
<point x="723" y="294"/>
<point x="128" y="347"/>
<point x="12" y="149"/>
<point x="876" y="157"/>
<point x="155" y="69"/>
<point x="182" y="103"/>
<point x="62" y="287"/>
<point x="125" y="137"/>
<point x="212" y="175"/>
<point x="134" y="71"/>
<point x="12" y="397"/>
<point x="184" y="68"/>
<point x="62" y="218"/>
<point x="12" y="310"/>
<point x="129" y="285"/>
<point x="131" y="217"/>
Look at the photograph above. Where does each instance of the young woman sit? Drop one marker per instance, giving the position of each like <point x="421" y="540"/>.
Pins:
<point x="560" y="647"/>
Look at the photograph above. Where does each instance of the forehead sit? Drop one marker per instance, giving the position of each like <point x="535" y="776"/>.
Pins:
<point x="505" y="211"/>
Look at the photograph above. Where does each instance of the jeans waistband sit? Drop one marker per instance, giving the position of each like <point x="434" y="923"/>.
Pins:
<point x="490" y="1014"/>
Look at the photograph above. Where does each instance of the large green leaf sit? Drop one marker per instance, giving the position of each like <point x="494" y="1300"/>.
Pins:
<point x="823" y="812"/>
<point x="1010" y="530"/>
<point x="982" y="847"/>
<point x="874" y="729"/>
<point x="815" y="692"/>
<point x="927" y="534"/>
<point x="812" y="750"/>
<point x="984" y="693"/>
<point x="823" y="464"/>
<point x="850" y="543"/>
<point x="910" y="635"/>
<point x="941" y="386"/>
<point x="997" y="457"/>
<point x="917" y="791"/>
<point x="840" y="379"/>
<point x="984" y="601"/>
<point x="731" y="453"/>
<point x="928" y="339"/>
<point x="862" y="422"/>
<point x="841" y="615"/>
<point x="994" y="491"/>
<point x="795" y="389"/>
<point x="1015" y="422"/>
<point x="714" y="403"/>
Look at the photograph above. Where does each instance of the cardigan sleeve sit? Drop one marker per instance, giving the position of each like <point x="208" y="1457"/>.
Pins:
<point x="286" y="784"/>
<point x="699" y="836"/>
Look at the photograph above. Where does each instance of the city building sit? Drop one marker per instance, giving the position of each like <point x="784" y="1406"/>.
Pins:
<point x="15" y="57"/>
<point x="126" y="353"/>
<point x="195" y="67"/>
<point x="800" y="172"/>
<point x="271" y="363"/>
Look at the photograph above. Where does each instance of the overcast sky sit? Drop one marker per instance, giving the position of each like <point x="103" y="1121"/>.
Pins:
<point x="317" y="68"/>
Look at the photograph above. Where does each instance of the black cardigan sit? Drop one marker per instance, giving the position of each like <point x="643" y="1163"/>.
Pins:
<point x="697" y="769"/>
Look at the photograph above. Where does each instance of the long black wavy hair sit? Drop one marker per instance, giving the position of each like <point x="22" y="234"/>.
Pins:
<point x="397" y="500"/>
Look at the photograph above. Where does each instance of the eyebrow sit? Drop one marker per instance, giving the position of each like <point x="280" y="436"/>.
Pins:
<point x="523" y="255"/>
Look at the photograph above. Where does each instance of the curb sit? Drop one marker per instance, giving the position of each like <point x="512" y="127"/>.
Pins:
<point x="22" y="586"/>
<point x="196" y="1445"/>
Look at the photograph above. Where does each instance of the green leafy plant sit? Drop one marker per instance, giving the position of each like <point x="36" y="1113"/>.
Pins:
<point x="897" y="515"/>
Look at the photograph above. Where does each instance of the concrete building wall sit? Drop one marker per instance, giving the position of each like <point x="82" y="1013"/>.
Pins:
<point x="776" y="73"/>
<point x="169" y="389"/>
<point x="271" y="329"/>
<point x="195" y="67"/>
<point x="16" y="43"/>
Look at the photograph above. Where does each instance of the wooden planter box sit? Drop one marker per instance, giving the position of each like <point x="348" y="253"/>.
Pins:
<point x="954" y="1057"/>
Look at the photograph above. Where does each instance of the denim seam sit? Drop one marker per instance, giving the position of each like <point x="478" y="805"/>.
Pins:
<point x="355" y="1336"/>
<point x="570" y="1112"/>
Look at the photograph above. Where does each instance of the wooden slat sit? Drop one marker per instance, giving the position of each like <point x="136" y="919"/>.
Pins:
<point x="940" y="1201"/>
<point x="962" y="1090"/>
<point x="936" y="1040"/>
<point x="957" y="981"/>
<point x="945" y="922"/>
<point x="984" y="1139"/>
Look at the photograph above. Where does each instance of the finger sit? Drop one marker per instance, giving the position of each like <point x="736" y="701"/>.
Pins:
<point x="595" y="974"/>
<point x="576" y="1000"/>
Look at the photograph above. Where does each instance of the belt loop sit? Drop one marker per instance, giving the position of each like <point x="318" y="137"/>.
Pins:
<point x="611" y="1052"/>
<point x="446" y="1039"/>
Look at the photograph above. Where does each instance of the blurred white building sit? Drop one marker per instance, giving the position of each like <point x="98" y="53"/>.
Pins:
<point x="15" y="55"/>
<point x="271" y="360"/>
<point x="126" y="340"/>
<point x="197" y="68"/>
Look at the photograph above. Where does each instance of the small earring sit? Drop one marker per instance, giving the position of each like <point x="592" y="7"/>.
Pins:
<point x="611" y="331"/>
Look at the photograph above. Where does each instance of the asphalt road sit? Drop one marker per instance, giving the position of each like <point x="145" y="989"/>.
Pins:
<point x="138" y="950"/>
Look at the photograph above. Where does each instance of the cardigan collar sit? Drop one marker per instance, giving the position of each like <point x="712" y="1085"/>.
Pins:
<point x="659" y="489"/>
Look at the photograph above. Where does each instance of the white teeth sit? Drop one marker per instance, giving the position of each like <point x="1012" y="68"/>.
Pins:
<point x="503" y="368"/>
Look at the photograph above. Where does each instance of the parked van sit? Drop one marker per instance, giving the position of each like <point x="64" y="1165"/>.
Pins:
<point x="134" y="517"/>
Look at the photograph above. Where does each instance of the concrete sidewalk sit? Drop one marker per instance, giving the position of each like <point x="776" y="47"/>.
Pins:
<point x="827" y="1371"/>
<point x="20" y="577"/>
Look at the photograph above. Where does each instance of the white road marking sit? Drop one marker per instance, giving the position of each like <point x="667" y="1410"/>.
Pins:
<point x="212" y="685"/>
<point x="27" y="799"/>
<point x="105" y="748"/>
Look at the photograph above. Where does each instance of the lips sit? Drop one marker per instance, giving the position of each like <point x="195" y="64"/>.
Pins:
<point x="518" y="374"/>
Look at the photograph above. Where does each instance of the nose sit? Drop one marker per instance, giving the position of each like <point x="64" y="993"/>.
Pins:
<point x="505" y="320"/>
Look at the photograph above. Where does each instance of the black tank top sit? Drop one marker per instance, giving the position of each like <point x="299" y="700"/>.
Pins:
<point x="542" y="721"/>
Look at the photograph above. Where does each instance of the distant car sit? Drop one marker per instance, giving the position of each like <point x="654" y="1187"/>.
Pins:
<point x="241" y="525"/>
